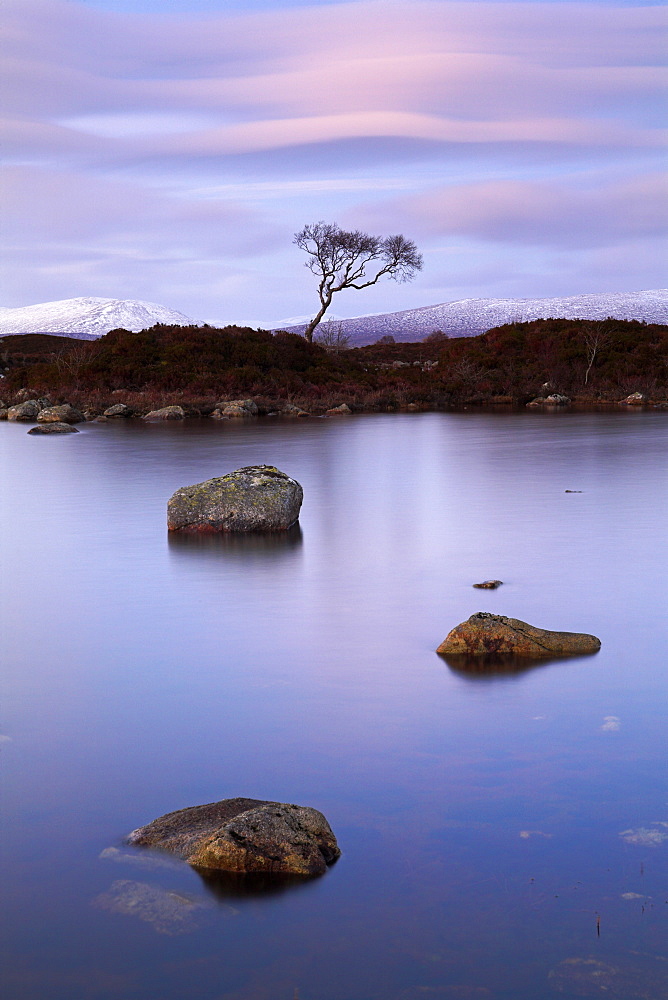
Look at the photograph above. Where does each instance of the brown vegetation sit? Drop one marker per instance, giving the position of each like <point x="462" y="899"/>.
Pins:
<point x="198" y="366"/>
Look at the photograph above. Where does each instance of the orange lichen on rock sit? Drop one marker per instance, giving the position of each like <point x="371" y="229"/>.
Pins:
<point x="485" y="634"/>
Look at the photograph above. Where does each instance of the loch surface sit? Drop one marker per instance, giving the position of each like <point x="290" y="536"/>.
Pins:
<point x="504" y="835"/>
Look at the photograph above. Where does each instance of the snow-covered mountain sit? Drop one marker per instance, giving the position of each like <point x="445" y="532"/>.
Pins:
<point x="87" y="318"/>
<point x="468" y="317"/>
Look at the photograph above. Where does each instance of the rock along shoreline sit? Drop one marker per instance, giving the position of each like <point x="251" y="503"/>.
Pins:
<point x="23" y="408"/>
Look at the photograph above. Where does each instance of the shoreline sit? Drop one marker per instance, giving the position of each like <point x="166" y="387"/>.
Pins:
<point x="174" y="408"/>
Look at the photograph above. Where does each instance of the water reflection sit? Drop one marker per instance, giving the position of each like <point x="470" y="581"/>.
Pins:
<point x="495" y="665"/>
<point x="238" y="885"/>
<point x="199" y="666"/>
<point x="236" y="545"/>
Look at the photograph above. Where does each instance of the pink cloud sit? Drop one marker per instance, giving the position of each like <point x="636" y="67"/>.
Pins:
<point x="66" y="206"/>
<point x="548" y="213"/>
<point x="456" y="72"/>
<point x="367" y="90"/>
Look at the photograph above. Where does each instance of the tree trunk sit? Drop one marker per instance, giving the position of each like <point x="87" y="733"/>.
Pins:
<point x="310" y="327"/>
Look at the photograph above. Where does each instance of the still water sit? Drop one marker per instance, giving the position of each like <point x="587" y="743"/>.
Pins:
<point x="501" y="834"/>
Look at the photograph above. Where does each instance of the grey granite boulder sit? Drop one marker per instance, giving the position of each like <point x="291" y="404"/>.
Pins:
<point x="167" y="413"/>
<point x="55" y="427"/>
<point x="485" y="634"/>
<point x="118" y="410"/>
<point x="24" y="412"/>
<point x="236" y="408"/>
<point x="64" y="414"/>
<point x="245" y="835"/>
<point x="290" y="410"/>
<point x="255" y="498"/>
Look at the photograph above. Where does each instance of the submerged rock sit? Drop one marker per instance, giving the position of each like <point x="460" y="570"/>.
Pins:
<point x="245" y="835"/>
<point x="255" y="498"/>
<point x="444" y="993"/>
<point x="646" y="836"/>
<point x="587" y="977"/>
<point x="54" y="428"/>
<point x="485" y="634"/>
<point x="167" y="912"/>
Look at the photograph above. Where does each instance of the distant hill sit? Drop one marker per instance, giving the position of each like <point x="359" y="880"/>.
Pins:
<point x="470" y="317"/>
<point x="87" y="318"/>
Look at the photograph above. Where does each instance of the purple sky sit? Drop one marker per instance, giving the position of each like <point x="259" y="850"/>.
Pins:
<point x="169" y="150"/>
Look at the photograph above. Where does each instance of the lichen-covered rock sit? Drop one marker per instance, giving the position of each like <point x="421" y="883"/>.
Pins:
<point x="339" y="411"/>
<point x="167" y="413"/>
<point x="245" y="835"/>
<point x="554" y="399"/>
<point x="255" y="498"/>
<point x="64" y="414"/>
<point x="236" y="408"/>
<point x="118" y="410"/>
<point x="24" y="412"/>
<point x="635" y="399"/>
<point x="557" y="399"/>
<point x="3" y="412"/>
<point x="485" y="634"/>
<point x="290" y="410"/>
<point x="55" y="427"/>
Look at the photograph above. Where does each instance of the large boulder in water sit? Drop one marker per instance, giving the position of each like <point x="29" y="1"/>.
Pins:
<point x="485" y="634"/>
<point x="54" y="427"/>
<point x="255" y="498"/>
<point x="245" y="835"/>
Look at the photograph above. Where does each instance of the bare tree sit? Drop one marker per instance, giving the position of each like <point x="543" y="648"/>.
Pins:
<point x="70" y="361"/>
<point x="596" y="337"/>
<point x="333" y="337"/>
<point x="341" y="259"/>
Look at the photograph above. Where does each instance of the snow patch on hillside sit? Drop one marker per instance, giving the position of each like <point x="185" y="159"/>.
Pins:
<point x="88" y="317"/>
<point x="469" y="317"/>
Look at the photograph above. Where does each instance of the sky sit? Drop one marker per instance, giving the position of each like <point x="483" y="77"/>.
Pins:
<point x="168" y="150"/>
